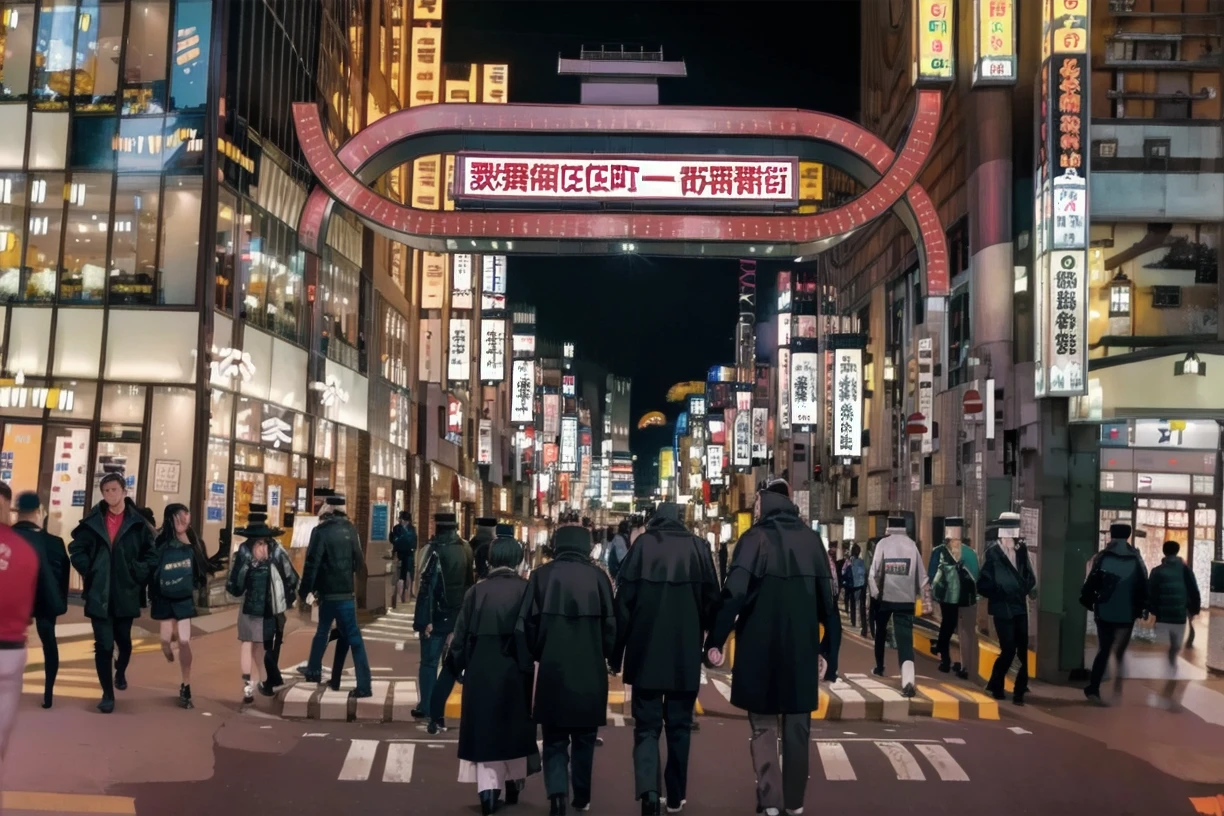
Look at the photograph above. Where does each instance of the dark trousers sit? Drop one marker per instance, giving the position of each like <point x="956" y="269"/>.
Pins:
<point x="654" y="712"/>
<point x="46" y="635"/>
<point x="873" y="612"/>
<point x="783" y="789"/>
<point x="949" y="616"/>
<point x="109" y="633"/>
<point x="855" y="601"/>
<point x="903" y="630"/>
<point x="344" y="615"/>
<point x="272" y="647"/>
<point x="1112" y="638"/>
<point x="560" y="768"/>
<point x="442" y="690"/>
<point x="431" y="653"/>
<point x="1013" y="643"/>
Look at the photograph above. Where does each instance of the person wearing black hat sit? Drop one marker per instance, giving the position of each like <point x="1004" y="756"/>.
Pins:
<point x="404" y="544"/>
<point x="480" y="545"/>
<point x="446" y="576"/>
<point x="666" y="597"/>
<point x="263" y="576"/>
<point x="952" y="573"/>
<point x="334" y="560"/>
<point x="567" y="625"/>
<point x="1007" y="582"/>
<point x="1116" y="592"/>
<point x="778" y="593"/>
<point x="51" y="600"/>
<point x="114" y="552"/>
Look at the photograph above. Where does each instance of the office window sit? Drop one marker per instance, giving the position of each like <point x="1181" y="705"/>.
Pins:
<point x="53" y="54"/>
<point x="227" y="239"/>
<point x="133" y="267"/>
<point x="99" y="38"/>
<point x="192" y="42"/>
<point x="18" y="22"/>
<point x="12" y="234"/>
<point x="340" y="295"/>
<point x="92" y="143"/>
<point x="273" y="295"/>
<point x="44" y="229"/>
<point x="180" y="240"/>
<point x="89" y="200"/>
<point x="13" y="126"/>
<point x="144" y="69"/>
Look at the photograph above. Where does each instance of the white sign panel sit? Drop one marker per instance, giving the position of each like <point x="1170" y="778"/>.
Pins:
<point x="760" y="433"/>
<point x="624" y="178"/>
<point x="484" y="443"/>
<point x="926" y="390"/>
<point x="1189" y="434"/>
<point x="1065" y="354"/>
<point x="569" y="444"/>
<point x="461" y="282"/>
<point x="714" y="463"/>
<point x="459" y="354"/>
<point x="493" y="274"/>
<point x="492" y="350"/>
<point x="847" y="402"/>
<point x="784" y="417"/>
<point x="522" y="395"/>
<point x="848" y="530"/>
<point x="784" y="330"/>
<point x="523" y="344"/>
<point x="804" y="387"/>
<point x="1070" y="213"/>
<point x="742" y="444"/>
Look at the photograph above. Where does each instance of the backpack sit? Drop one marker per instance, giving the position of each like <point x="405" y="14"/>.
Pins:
<point x="858" y="572"/>
<point x="176" y="573"/>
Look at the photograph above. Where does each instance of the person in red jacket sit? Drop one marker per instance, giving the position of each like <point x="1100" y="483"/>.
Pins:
<point x="18" y="581"/>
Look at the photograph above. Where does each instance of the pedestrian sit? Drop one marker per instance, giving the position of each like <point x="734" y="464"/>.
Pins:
<point x="896" y="581"/>
<point x="334" y="559"/>
<point x="182" y="569"/>
<point x="1007" y="582"/>
<point x="51" y="600"/>
<point x="618" y="548"/>
<point x="778" y="594"/>
<point x="19" y="569"/>
<point x="952" y="572"/>
<point x="263" y="576"/>
<point x="873" y="605"/>
<point x="114" y="552"/>
<point x="404" y="544"/>
<point x="497" y="743"/>
<point x="854" y="579"/>
<point x="486" y="531"/>
<point x="446" y="576"/>
<point x="1174" y="598"/>
<point x="1116" y="592"/>
<point x="666" y="597"/>
<point x="568" y="628"/>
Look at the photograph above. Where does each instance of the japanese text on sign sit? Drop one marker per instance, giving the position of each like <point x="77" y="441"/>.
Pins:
<point x="1067" y="32"/>
<point x="522" y="395"/>
<point x="492" y="350"/>
<point x="458" y="358"/>
<point x="933" y="52"/>
<point x="697" y="178"/>
<point x="847" y="402"/>
<point x="804" y="388"/>
<point x="995" y="60"/>
<point x="1069" y="131"/>
<point x="1065" y="354"/>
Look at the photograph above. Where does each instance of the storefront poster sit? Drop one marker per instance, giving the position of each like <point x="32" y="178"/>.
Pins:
<point x="215" y="510"/>
<point x="19" y="459"/>
<point x="166" y="475"/>
<point x="380" y="515"/>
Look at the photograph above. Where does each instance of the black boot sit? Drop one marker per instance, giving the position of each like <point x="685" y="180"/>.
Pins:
<point x="489" y="801"/>
<point x="120" y="678"/>
<point x="650" y="804"/>
<point x="185" y="696"/>
<point x="558" y="805"/>
<point x="512" y="792"/>
<point x="945" y="662"/>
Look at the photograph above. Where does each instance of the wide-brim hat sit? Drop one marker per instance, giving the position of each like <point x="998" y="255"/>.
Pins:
<point x="257" y="524"/>
<point x="485" y="521"/>
<point x="506" y="530"/>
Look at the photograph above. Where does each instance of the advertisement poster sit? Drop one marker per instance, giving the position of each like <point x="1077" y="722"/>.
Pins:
<point x="20" y="457"/>
<point x="847" y="402"/>
<point x="492" y="350"/>
<point x="461" y="282"/>
<point x="459" y="356"/>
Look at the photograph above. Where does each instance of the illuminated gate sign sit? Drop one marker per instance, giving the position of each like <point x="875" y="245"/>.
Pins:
<point x="994" y="42"/>
<point x="532" y="177"/>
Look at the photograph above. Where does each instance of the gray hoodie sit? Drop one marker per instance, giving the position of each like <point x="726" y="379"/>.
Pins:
<point x="896" y="574"/>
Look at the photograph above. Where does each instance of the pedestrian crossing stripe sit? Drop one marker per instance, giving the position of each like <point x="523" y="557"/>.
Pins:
<point x="859" y="697"/>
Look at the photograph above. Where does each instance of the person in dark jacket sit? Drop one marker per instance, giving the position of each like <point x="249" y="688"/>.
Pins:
<point x="182" y="570"/>
<point x="486" y="531"/>
<point x="497" y="747"/>
<point x="1174" y="598"/>
<point x="404" y="544"/>
<point x="953" y="573"/>
<point x="666" y="596"/>
<point x="1116" y="592"/>
<point x="1007" y="582"/>
<point x="262" y="575"/>
<point x="113" y="550"/>
<point x="567" y="625"/>
<point x="778" y="594"/>
<point x="334" y="559"/>
<point x="451" y="574"/>
<point x="51" y="600"/>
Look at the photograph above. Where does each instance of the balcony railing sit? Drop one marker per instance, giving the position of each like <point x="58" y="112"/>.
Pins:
<point x="619" y="52"/>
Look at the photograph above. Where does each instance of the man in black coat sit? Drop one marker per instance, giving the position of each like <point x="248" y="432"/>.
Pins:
<point x="667" y="593"/>
<point x="113" y="550"/>
<point x="446" y="577"/>
<point x="567" y="625"/>
<point x="482" y="539"/>
<point x="51" y="600"/>
<point x="777" y="595"/>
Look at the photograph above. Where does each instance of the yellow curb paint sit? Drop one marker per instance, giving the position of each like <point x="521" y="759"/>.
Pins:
<point x="943" y="705"/>
<point x="616" y="697"/>
<point x="699" y="710"/>
<point x="67" y="802"/>
<point x="987" y="707"/>
<point x="1208" y="805"/>
<point x="987" y="654"/>
<point x="822" y="710"/>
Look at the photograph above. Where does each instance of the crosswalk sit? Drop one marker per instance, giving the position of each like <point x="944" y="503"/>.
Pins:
<point x="912" y="760"/>
<point x="394" y="626"/>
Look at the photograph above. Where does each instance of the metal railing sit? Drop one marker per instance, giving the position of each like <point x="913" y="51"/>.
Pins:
<point x="620" y="52"/>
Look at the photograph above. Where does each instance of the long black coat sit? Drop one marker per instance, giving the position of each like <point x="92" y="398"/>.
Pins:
<point x="113" y="572"/>
<point x="666" y="597"/>
<point x="496" y="722"/>
<point x="51" y="601"/>
<point x="778" y="593"/>
<point x="568" y="626"/>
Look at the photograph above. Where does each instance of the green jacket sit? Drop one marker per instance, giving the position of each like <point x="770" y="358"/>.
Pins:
<point x="113" y="572"/>
<point x="948" y="588"/>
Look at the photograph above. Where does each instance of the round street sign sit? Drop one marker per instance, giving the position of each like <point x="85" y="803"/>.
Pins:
<point x="973" y="402"/>
<point x="916" y="425"/>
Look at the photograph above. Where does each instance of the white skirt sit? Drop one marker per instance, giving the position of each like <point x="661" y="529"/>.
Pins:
<point x="492" y="775"/>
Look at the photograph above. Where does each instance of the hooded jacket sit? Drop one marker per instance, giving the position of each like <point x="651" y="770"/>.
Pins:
<point x="896" y="576"/>
<point x="113" y="572"/>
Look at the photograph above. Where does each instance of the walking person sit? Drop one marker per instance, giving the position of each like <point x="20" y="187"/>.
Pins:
<point x="486" y="531"/>
<point x="1116" y="592"/>
<point x="1007" y="582"/>
<point x="263" y="576"/>
<point x="497" y="742"/>
<point x="953" y="573"/>
<point x="567" y="625"/>
<point x="51" y="600"/>
<point x="182" y="569"/>
<point x="334" y="559"/>
<point x="666" y="597"/>
<point x="19" y="570"/>
<point x="854" y="579"/>
<point x="404" y="544"/>
<point x="896" y="581"/>
<point x="777" y="595"/>
<point x="873" y="604"/>
<point x="618" y="548"/>
<point x="1174" y="598"/>
<point x="446" y="575"/>
<point x="113" y="550"/>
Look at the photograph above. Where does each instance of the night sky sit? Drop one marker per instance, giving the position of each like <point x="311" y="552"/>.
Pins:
<point x="658" y="320"/>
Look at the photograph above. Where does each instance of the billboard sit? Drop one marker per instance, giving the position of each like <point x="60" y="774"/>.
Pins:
<point x="804" y="389"/>
<point x="522" y="393"/>
<point x="492" y="350"/>
<point x="847" y="402"/>
<point x="461" y="282"/>
<point x="569" y="444"/>
<point x="459" y="355"/>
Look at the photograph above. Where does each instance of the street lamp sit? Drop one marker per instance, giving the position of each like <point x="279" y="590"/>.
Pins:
<point x="1120" y="295"/>
<point x="1190" y="366"/>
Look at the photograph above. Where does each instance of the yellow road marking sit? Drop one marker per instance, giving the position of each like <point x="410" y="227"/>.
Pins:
<point x="988" y="707"/>
<point x="76" y="650"/>
<point x="1208" y="805"/>
<point x="68" y="802"/>
<point x="822" y="709"/>
<point x="944" y="705"/>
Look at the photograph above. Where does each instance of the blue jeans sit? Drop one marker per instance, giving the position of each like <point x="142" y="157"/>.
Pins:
<point x="431" y="653"/>
<point x="344" y="615"/>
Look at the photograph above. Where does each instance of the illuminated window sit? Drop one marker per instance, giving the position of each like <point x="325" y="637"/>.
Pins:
<point x="133" y="265"/>
<point x="18" y="22"/>
<point x="145" y="62"/>
<point x="84" y="276"/>
<point x="12" y="235"/>
<point x="99" y="37"/>
<point x="46" y="216"/>
<point x="53" y="56"/>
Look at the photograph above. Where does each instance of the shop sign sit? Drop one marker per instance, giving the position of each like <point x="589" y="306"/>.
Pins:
<point x="430" y="359"/>
<point x="492" y="350"/>
<point x="461" y="282"/>
<point x="848" y="531"/>
<point x="1068" y="29"/>
<point x="811" y="182"/>
<point x="552" y="415"/>
<point x="493" y="83"/>
<point x="484" y="443"/>
<point x="714" y="463"/>
<point x="804" y="389"/>
<point x="522" y="396"/>
<point x="425" y="172"/>
<point x="784" y="330"/>
<point x="784" y="406"/>
<point x="1070" y="225"/>
<point x="847" y="402"/>
<point x="1068" y="119"/>
<point x="697" y="406"/>
<point x="459" y="354"/>
<point x="493" y="274"/>
<point x="532" y="177"/>
<point x="1065" y="352"/>
<point x="425" y="65"/>
<point x="569" y="444"/>
<point x="742" y="450"/>
<point x="523" y="345"/>
<point x="994" y="57"/>
<point x="1189" y="434"/>
<point x="760" y="434"/>
<point x="926" y="390"/>
<point x="427" y="10"/>
<point x="433" y="280"/>
<point x="568" y="385"/>
<point x="934" y="56"/>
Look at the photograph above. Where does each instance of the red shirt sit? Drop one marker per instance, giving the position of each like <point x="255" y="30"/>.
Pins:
<point x="113" y="522"/>
<point x="18" y="580"/>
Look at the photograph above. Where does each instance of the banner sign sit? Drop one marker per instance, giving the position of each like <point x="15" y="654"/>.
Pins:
<point x="433" y="281"/>
<point x="1065" y="357"/>
<point x="522" y="394"/>
<point x="461" y="282"/>
<point x="552" y="415"/>
<point x="484" y="447"/>
<point x="760" y="434"/>
<point x="569" y="444"/>
<point x="994" y="42"/>
<point x="804" y="389"/>
<point x="847" y="402"/>
<point x="714" y="463"/>
<point x="934" y="43"/>
<point x="742" y="440"/>
<point x="492" y="350"/>
<point x="459" y="355"/>
<point x="523" y="345"/>
<point x="926" y="390"/>
<point x="784" y="407"/>
<point x="493" y="283"/>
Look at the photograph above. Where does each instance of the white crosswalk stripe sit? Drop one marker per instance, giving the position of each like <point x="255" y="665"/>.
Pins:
<point x="359" y="761"/>
<point x="903" y="761"/>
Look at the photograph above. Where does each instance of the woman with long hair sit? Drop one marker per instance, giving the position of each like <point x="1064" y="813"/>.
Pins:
<point x="182" y="569"/>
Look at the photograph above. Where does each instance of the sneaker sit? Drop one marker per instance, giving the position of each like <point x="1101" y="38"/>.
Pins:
<point x="436" y="727"/>
<point x="266" y="689"/>
<point x="107" y="705"/>
<point x="795" y="812"/>
<point x="248" y="693"/>
<point x="675" y="806"/>
<point x="581" y="806"/>
<point x="907" y="691"/>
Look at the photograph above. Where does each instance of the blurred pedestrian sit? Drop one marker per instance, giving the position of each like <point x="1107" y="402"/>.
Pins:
<point x="182" y="569"/>
<point x="618" y="548"/>
<point x="854" y="579"/>
<point x="19" y="568"/>
<point x="1007" y="582"/>
<point x="953" y="573"/>
<point x="446" y="576"/>
<point x="51" y="600"/>
<point x="1174" y="598"/>
<point x="896" y="580"/>
<point x="486" y="531"/>
<point x="1116" y="592"/>
<point x="404" y="544"/>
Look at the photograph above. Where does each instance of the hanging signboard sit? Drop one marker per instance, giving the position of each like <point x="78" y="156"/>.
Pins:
<point x="484" y="446"/>
<point x="994" y="42"/>
<point x="433" y="280"/>
<point x="568" y="385"/>
<point x="742" y="440"/>
<point x="492" y="350"/>
<point x="523" y="345"/>
<point x="459" y="355"/>
<point x="847" y="402"/>
<point x="1065" y="354"/>
<point x="926" y="390"/>
<point x="493" y="283"/>
<point x="569" y="444"/>
<point x="522" y="394"/>
<point x="429" y="356"/>
<point x="933" y="43"/>
<point x="804" y="390"/>
<point x="784" y="417"/>
<point x="461" y="282"/>
<point x="552" y="415"/>
<point x="760" y="434"/>
<point x="714" y="463"/>
<point x="425" y="66"/>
